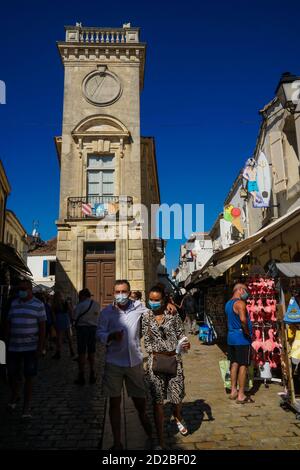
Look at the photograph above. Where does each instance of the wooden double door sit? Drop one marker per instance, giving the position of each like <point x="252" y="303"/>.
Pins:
<point x="99" y="277"/>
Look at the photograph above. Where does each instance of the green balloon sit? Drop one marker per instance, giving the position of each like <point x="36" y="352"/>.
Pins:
<point x="227" y="216"/>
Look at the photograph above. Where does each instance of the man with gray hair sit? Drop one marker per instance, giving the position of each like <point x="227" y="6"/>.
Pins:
<point x="239" y="340"/>
<point x="119" y="329"/>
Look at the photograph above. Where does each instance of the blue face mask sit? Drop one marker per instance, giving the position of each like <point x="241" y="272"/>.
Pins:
<point x="121" y="299"/>
<point x="245" y="295"/>
<point x="154" y="305"/>
<point x="23" y="294"/>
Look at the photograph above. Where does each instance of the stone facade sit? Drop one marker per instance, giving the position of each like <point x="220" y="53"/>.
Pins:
<point x="4" y="192"/>
<point x="42" y="263"/>
<point x="193" y="255"/>
<point x="104" y="73"/>
<point x="279" y="140"/>
<point x="15" y="235"/>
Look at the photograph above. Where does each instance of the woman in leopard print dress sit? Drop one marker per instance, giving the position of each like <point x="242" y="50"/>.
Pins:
<point x="162" y="331"/>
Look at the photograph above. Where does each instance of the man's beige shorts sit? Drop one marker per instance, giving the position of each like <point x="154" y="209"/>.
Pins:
<point x="114" y="376"/>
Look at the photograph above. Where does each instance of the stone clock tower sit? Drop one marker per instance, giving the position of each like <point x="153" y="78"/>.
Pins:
<point x="104" y="161"/>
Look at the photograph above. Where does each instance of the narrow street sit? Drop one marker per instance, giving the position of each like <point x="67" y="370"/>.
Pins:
<point x="65" y="416"/>
<point x="68" y="417"/>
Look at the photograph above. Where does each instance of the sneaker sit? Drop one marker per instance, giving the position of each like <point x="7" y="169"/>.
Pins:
<point x="26" y="414"/>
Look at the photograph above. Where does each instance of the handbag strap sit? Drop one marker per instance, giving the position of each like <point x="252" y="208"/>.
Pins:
<point x="83" y="313"/>
<point x="164" y="353"/>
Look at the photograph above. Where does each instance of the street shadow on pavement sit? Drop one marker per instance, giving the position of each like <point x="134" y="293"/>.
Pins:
<point x="65" y="415"/>
<point x="194" y="413"/>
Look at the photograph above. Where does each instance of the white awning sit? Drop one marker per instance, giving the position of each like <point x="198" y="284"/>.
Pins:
<point x="289" y="269"/>
<point x="226" y="258"/>
<point x="221" y="268"/>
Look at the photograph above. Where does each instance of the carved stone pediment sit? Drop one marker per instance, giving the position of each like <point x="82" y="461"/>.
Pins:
<point x="100" y="126"/>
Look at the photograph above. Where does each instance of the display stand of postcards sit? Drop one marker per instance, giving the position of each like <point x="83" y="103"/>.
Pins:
<point x="262" y="307"/>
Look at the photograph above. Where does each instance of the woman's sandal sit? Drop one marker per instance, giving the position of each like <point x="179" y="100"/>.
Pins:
<point x="233" y="397"/>
<point x="246" y="400"/>
<point x="182" y="427"/>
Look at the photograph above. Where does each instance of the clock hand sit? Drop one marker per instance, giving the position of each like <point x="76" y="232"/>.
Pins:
<point x="99" y="86"/>
<point x="97" y="83"/>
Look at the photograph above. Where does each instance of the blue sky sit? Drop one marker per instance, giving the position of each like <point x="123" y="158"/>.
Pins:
<point x="210" y="67"/>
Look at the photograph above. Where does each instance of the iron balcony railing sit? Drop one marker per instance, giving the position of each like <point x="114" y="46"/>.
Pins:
<point x="99" y="207"/>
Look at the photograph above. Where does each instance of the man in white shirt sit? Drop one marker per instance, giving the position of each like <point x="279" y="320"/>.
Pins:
<point x="86" y="319"/>
<point x="119" y="329"/>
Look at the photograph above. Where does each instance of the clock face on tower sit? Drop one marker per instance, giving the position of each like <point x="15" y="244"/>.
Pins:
<point x="101" y="88"/>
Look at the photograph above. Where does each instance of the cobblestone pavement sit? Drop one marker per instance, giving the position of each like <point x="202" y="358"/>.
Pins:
<point x="259" y="425"/>
<point x="66" y="416"/>
<point x="262" y="425"/>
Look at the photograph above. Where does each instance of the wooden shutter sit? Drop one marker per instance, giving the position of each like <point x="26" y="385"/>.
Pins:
<point x="45" y="268"/>
<point x="278" y="166"/>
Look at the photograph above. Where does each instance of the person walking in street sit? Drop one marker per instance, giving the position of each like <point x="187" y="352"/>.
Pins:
<point x="162" y="332"/>
<point x="86" y="319"/>
<point x="62" y="316"/>
<point x="26" y="324"/>
<point x="119" y="328"/>
<point x="189" y="307"/>
<point x="239" y="342"/>
<point x="172" y="307"/>
<point x="49" y="321"/>
<point x="136" y="295"/>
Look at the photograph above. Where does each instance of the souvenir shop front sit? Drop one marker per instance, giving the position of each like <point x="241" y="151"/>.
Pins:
<point x="214" y="286"/>
<point x="287" y="276"/>
<point x="252" y="262"/>
<point x="213" y="294"/>
<point x="263" y="306"/>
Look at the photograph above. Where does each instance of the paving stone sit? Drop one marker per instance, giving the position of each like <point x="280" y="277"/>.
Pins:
<point x="57" y="419"/>
<point x="70" y="417"/>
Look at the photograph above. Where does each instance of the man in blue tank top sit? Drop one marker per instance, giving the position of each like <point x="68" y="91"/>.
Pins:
<point x="239" y="340"/>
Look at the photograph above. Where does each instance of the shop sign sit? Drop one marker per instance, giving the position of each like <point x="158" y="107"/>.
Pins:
<point x="259" y="183"/>
<point x="233" y="215"/>
<point x="293" y="312"/>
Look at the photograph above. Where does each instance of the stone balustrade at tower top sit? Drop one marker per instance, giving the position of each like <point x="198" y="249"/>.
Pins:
<point x="94" y="35"/>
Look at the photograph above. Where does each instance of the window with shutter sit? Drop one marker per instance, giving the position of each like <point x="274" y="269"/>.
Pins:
<point x="45" y="268"/>
<point x="100" y="176"/>
<point x="278" y="166"/>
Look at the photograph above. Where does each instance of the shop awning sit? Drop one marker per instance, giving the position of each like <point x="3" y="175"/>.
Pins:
<point x="41" y="288"/>
<point x="214" y="269"/>
<point x="222" y="259"/>
<point x="221" y="268"/>
<point x="270" y="231"/>
<point x="9" y="256"/>
<point x="289" y="269"/>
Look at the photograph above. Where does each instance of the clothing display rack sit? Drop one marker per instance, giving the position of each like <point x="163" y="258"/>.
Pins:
<point x="266" y="344"/>
<point x="288" y="277"/>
